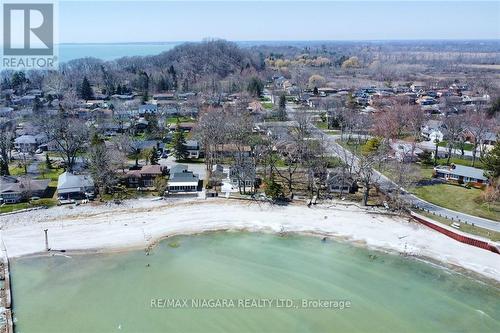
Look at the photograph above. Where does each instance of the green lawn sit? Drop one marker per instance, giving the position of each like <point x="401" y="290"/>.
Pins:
<point x="460" y="199"/>
<point x="267" y="105"/>
<point x="7" y="208"/>
<point x="322" y="125"/>
<point x="462" y="161"/>
<point x="467" y="146"/>
<point x="16" y="170"/>
<point x="473" y="230"/>
<point x="52" y="174"/>
<point x="182" y="119"/>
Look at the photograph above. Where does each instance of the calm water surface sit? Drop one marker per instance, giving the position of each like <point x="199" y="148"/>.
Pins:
<point x="113" y="292"/>
<point x="111" y="51"/>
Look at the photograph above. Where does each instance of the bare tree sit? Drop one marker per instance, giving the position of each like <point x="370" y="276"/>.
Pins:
<point x="478" y="125"/>
<point x="454" y="129"/>
<point x="102" y="166"/>
<point x="7" y="136"/>
<point x="69" y="135"/>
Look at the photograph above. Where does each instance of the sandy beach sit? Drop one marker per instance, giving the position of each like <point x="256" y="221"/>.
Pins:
<point x="141" y="223"/>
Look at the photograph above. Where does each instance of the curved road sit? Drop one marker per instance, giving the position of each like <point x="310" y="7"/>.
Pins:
<point x="386" y="184"/>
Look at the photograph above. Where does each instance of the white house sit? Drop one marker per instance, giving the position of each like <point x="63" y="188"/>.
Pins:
<point x="182" y="180"/>
<point x="29" y="143"/>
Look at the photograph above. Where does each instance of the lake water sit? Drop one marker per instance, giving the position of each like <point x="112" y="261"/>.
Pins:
<point x="113" y="292"/>
<point x="111" y="51"/>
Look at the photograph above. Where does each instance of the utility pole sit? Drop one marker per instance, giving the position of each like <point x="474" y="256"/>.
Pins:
<point x="46" y="240"/>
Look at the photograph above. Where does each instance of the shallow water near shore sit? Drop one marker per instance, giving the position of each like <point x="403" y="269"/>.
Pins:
<point x="124" y="292"/>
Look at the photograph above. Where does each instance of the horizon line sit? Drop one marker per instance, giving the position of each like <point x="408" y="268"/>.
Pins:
<point x="291" y="41"/>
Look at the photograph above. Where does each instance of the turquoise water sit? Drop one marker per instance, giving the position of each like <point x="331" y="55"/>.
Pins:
<point x="111" y="51"/>
<point x="113" y="292"/>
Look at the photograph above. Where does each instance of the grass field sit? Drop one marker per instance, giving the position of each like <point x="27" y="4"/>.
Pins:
<point x="460" y="199"/>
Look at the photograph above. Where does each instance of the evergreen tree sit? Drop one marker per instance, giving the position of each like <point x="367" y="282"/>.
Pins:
<point x="491" y="161"/>
<point x="48" y="162"/>
<point x="274" y="189"/>
<point x="255" y="87"/>
<point x="173" y="74"/>
<point x="316" y="91"/>
<point x="282" y="108"/>
<point x="179" y="143"/>
<point x="495" y="107"/>
<point x="86" y="92"/>
<point x="153" y="156"/>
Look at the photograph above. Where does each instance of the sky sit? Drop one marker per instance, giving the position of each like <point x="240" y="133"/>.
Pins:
<point x="164" y="21"/>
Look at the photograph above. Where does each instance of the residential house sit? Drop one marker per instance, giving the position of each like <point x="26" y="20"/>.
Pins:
<point x="148" y="109"/>
<point x="71" y="186"/>
<point x="243" y="175"/>
<point x="163" y="96"/>
<point x="29" y="143"/>
<point x="417" y="87"/>
<point x="339" y="182"/>
<point x="144" y="177"/>
<point x="187" y="127"/>
<point x="16" y="189"/>
<point x="193" y="148"/>
<point x="432" y="126"/>
<point x="489" y="138"/>
<point x="233" y="150"/>
<point x="182" y="180"/>
<point x="461" y="174"/>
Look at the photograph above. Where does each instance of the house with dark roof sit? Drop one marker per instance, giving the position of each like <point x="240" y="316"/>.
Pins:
<point x="144" y="177"/>
<point x="16" y="189"/>
<point x="340" y="182"/>
<point x="182" y="180"/>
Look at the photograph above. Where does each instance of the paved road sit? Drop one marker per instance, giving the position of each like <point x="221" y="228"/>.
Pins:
<point x="385" y="184"/>
<point x="428" y="145"/>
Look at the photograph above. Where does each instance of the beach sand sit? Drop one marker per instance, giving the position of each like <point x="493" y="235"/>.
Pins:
<point x="141" y="223"/>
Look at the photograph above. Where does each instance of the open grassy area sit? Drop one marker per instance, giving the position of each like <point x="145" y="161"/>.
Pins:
<point x="462" y="161"/>
<point x="321" y="125"/>
<point x="52" y="174"/>
<point x="267" y="105"/>
<point x="16" y="170"/>
<point x="7" y="208"/>
<point x="182" y="119"/>
<point x="460" y="199"/>
<point x="473" y="230"/>
<point x="467" y="146"/>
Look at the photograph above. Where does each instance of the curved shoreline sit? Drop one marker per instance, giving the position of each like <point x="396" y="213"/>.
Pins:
<point x="112" y="229"/>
